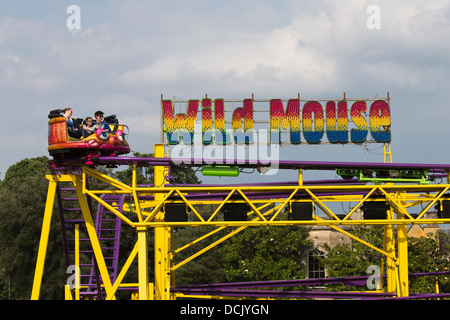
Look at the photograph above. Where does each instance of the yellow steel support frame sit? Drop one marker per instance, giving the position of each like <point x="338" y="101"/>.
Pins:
<point x="163" y="235"/>
<point x="79" y="188"/>
<point x="45" y="232"/>
<point x="77" y="261"/>
<point x="142" y="263"/>
<point x="403" y="290"/>
<point x="387" y="153"/>
<point x="150" y="214"/>
<point x="389" y="244"/>
<point x="90" y="227"/>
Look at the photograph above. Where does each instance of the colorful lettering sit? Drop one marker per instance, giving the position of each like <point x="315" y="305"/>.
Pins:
<point x="337" y="129"/>
<point x="380" y="116"/>
<point x="278" y="119"/>
<point x="219" y="122"/>
<point x="314" y="122"/>
<point x="359" y="134"/>
<point x="246" y="114"/>
<point x="313" y="127"/>
<point x="176" y="126"/>
<point x="207" y="122"/>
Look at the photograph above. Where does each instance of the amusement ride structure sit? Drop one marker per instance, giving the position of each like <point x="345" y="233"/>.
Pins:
<point x="91" y="219"/>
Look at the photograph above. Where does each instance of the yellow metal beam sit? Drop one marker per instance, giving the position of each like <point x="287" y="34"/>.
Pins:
<point x="283" y="205"/>
<point x="162" y="234"/>
<point x="232" y="233"/>
<point x="110" y="208"/>
<point x="222" y="203"/>
<point x="391" y="268"/>
<point x="77" y="262"/>
<point x="45" y="232"/>
<point x="428" y="207"/>
<point x="107" y="179"/>
<point x="217" y="230"/>
<point x="360" y="203"/>
<point x="124" y="270"/>
<point x="142" y="263"/>
<point x="385" y="253"/>
<point x="402" y="235"/>
<point x="294" y="223"/>
<point x="161" y="200"/>
<point x="255" y="210"/>
<point x="93" y="236"/>
<point x="322" y="206"/>
<point x="190" y="206"/>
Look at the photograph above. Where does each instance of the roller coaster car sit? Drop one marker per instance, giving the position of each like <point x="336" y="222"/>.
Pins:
<point x="101" y="143"/>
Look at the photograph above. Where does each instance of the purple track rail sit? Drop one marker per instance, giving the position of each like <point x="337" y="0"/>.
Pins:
<point x="246" y="163"/>
<point x="247" y="289"/>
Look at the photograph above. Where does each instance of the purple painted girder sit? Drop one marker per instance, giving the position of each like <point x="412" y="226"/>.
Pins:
<point x="239" y="289"/>
<point x="348" y="281"/>
<point x="309" y="294"/>
<point x="282" y="164"/>
<point x="111" y="253"/>
<point x="283" y="293"/>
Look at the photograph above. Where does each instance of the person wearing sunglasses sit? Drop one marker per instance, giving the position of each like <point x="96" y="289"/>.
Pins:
<point x="100" y="123"/>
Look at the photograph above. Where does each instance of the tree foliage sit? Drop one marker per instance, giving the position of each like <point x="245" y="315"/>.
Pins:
<point x="22" y="195"/>
<point x="345" y="261"/>
<point x="206" y="268"/>
<point x="428" y="254"/>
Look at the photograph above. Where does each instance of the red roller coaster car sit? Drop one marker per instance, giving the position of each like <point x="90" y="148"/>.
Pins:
<point x="102" y="142"/>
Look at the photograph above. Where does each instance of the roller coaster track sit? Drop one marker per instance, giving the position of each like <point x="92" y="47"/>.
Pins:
<point x="112" y="204"/>
<point x="246" y="163"/>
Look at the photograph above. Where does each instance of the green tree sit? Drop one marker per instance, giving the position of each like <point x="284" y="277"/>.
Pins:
<point x="343" y="261"/>
<point x="206" y="268"/>
<point x="428" y="254"/>
<point x="22" y="195"/>
<point x="25" y="168"/>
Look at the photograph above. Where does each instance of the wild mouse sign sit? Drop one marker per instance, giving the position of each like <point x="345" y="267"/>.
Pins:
<point x="285" y="121"/>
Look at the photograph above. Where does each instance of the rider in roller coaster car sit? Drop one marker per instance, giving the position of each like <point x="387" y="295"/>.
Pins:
<point x="72" y="124"/>
<point x="76" y="136"/>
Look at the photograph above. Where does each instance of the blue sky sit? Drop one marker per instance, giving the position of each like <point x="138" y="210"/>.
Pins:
<point x="127" y="54"/>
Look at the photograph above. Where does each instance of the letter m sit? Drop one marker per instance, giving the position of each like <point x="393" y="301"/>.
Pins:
<point x="279" y="118"/>
<point x="176" y="126"/>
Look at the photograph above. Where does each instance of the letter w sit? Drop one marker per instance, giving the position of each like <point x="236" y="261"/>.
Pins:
<point x="176" y="126"/>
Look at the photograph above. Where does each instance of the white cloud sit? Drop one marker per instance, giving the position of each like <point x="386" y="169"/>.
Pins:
<point x="256" y="60"/>
<point x="394" y="74"/>
<point x="144" y="124"/>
